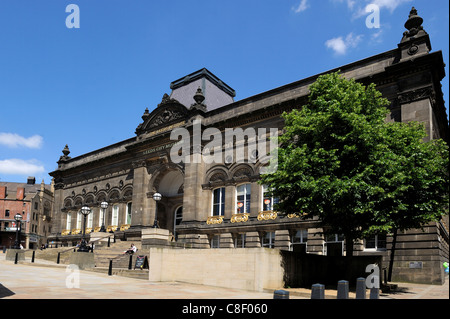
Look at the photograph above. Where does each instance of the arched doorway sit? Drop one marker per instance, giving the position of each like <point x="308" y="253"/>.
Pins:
<point x="178" y="218"/>
<point x="169" y="184"/>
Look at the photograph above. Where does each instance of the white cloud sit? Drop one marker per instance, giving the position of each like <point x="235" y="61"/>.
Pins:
<point x="301" y="7"/>
<point x="390" y="5"/>
<point x="340" y="45"/>
<point x="376" y="37"/>
<point x="16" y="166"/>
<point x="15" y="140"/>
<point x="350" y="3"/>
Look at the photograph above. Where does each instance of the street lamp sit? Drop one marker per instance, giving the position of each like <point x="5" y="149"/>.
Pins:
<point x="157" y="197"/>
<point x="104" y="206"/>
<point x="18" y="219"/>
<point x="84" y="211"/>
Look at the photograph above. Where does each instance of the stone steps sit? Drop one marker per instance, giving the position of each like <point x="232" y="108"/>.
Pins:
<point x="115" y="252"/>
<point x="133" y="273"/>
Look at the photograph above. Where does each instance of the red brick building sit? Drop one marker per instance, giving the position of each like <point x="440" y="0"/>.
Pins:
<point x="34" y="203"/>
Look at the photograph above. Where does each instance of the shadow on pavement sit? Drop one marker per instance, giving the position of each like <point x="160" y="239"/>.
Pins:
<point x="5" y="292"/>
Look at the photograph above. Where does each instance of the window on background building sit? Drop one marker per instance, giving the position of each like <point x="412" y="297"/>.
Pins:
<point x="7" y="213"/>
<point x="69" y="221"/>
<point x="334" y="238"/>
<point x="100" y="217"/>
<point x="215" y="241"/>
<point x="243" y="195"/>
<point x="239" y="241"/>
<point x="90" y="219"/>
<point x="268" y="201"/>
<point x="268" y="240"/>
<point x="299" y="239"/>
<point x="218" y="207"/>
<point x="128" y="214"/>
<point x="79" y="219"/>
<point x="334" y="244"/>
<point x="375" y="242"/>
<point x="115" y="215"/>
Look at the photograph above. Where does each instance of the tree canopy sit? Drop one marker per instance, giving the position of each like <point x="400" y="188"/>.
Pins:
<point x="339" y="160"/>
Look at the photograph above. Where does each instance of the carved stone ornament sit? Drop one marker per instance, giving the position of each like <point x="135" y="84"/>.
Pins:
<point x="415" y="95"/>
<point x="166" y="100"/>
<point x="165" y="117"/>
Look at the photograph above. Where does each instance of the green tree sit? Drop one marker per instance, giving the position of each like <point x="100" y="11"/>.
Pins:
<point x="340" y="162"/>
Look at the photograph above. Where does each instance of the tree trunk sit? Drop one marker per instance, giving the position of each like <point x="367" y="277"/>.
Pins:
<point x="391" y="260"/>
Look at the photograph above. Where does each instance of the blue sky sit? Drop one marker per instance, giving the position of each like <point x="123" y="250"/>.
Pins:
<point x="89" y="86"/>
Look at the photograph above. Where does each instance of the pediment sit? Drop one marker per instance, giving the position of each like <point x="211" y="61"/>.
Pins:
<point x="168" y="112"/>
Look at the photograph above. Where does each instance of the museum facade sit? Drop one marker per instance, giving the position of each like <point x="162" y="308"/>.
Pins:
<point x="219" y="203"/>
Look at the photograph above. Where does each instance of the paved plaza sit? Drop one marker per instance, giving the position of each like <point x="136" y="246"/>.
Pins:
<point x="47" y="280"/>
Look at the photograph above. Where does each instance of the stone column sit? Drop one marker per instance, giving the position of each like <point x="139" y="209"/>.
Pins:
<point x="58" y="204"/>
<point x="420" y="111"/>
<point x="230" y="194"/>
<point x="282" y="239"/>
<point x="252" y="240"/>
<point x="195" y="198"/>
<point x="255" y="199"/>
<point x="142" y="210"/>
<point x="226" y="240"/>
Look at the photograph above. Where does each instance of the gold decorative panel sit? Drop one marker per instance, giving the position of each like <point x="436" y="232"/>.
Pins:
<point x="267" y="215"/>
<point x="238" y="218"/>
<point x="212" y="220"/>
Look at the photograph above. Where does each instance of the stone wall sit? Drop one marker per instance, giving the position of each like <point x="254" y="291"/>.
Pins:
<point x="248" y="268"/>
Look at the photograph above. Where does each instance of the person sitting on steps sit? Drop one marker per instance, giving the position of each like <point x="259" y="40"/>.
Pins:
<point x="131" y="250"/>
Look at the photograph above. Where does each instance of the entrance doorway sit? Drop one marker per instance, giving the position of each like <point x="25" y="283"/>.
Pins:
<point x="169" y="184"/>
<point x="178" y="218"/>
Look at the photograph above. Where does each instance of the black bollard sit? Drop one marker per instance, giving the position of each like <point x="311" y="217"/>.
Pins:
<point x="109" y="241"/>
<point x="59" y="256"/>
<point x="342" y="289"/>
<point x="32" y="256"/>
<point x="130" y="263"/>
<point x="110" y="268"/>
<point x="16" y="258"/>
<point x="374" y="293"/>
<point x="318" y="291"/>
<point x="361" y="288"/>
<point x="281" y="294"/>
<point x="146" y="265"/>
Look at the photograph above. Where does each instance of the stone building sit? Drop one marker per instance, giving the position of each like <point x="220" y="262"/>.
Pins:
<point x="35" y="203"/>
<point x="220" y="204"/>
